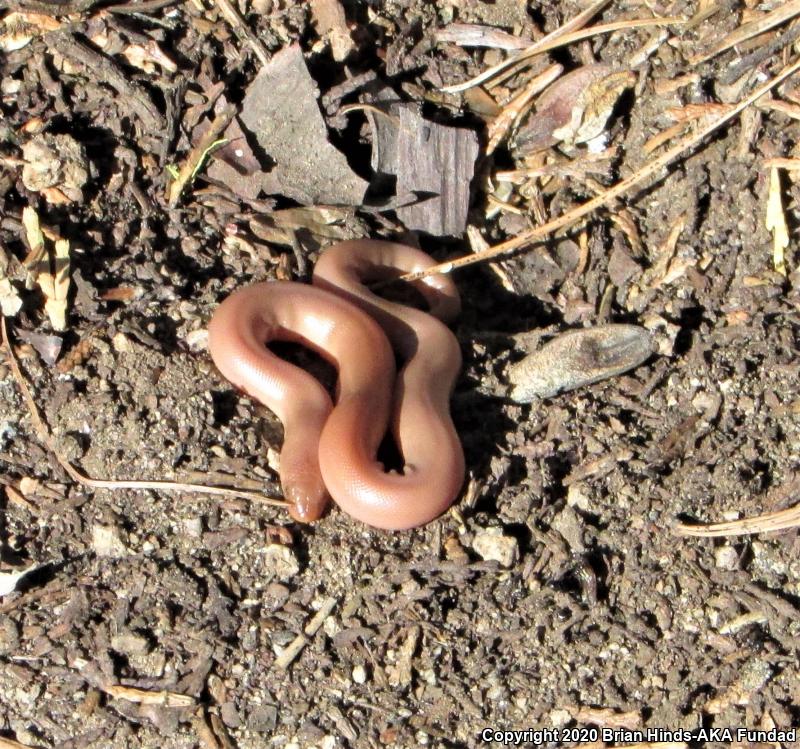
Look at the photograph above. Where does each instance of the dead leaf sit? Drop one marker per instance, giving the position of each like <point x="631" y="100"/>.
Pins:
<point x="55" y="163"/>
<point x="55" y="286"/>
<point x="776" y="222"/>
<point x="577" y="358"/>
<point x="575" y="108"/>
<point x="47" y="346"/>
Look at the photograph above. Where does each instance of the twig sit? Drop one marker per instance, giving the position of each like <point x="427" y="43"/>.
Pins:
<point x="11" y="744"/>
<point x="146" y="6"/>
<point x="295" y="647"/>
<point x="754" y="59"/>
<point x="780" y="520"/>
<point x="242" y="31"/>
<point x="748" y="30"/>
<point x="547" y="43"/>
<point x="132" y="96"/>
<point x="192" y="163"/>
<point x="538" y="233"/>
<point x="146" y="697"/>
<point x="83" y="479"/>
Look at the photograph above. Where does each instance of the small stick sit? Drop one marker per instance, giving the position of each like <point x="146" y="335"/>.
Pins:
<point x="538" y="233"/>
<point x="748" y="30"/>
<point x="754" y="59"/>
<point x="242" y="31"/>
<point x="197" y="154"/>
<point x="146" y="6"/>
<point x="11" y="744"/>
<point x="84" y="480"/>
<point x="770" y="521"/>
<point x="295" y="647"/>
<point x="783" y="163"/>
<point x="146" y="697"/>
<point x="547" y="43"/>
<point x="132" y="96"/>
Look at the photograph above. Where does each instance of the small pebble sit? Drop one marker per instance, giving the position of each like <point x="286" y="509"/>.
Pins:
<point x="726" y="558"/>
<point x="130" y="644"/>
<point x="9" y="635"/>
<point x="121" y="343"/>
<point x="281" y="561"/>
<point x="107" y="541"/>
<point x="490" y="544"/>
<point x="193" y="526"/>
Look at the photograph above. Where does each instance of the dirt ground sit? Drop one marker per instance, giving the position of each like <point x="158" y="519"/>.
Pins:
<point x="595" y="614"/>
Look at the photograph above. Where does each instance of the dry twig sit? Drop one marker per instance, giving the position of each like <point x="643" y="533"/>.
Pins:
<point x="749" y="30"/>
<point x="539" y="233"/>
<point x="241" y="30"/>
<point x="11" y="744"/>
<point x="195" y="158"/>
<point x="146" y="697"/>
<point x="780" y="520"/>
<point x="550" y="42"/>
<point x="295" y="647"/>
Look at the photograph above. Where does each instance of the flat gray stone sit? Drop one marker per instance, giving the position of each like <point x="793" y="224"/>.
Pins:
<point x="281" y="110"/>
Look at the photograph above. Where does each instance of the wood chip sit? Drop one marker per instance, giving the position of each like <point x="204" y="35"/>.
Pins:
<point x="435" y="162"/>
<point x="605" y="717"/>
<point x="144" y="697"/>
<point x="295" y="647"/>
<point x="776" y="222"/>
<point x="331" y="24"/>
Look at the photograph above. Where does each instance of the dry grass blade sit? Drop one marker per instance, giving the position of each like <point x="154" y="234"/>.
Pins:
<point x="749" y="30"/>
<point x="543" y="46"/>
<point x="539" y="233"/>
<point x="578" y="22"/>
<point x="190" y="166"/>
<point x="83" y="479"/>
<point x="551" y="42"/>
<point x="780" y="520"/>
<point x="145" y="697"/>
<point x="11" y="744"/>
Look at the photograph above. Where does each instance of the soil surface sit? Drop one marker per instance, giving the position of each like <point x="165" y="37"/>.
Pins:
<point x="555" y="593"/>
